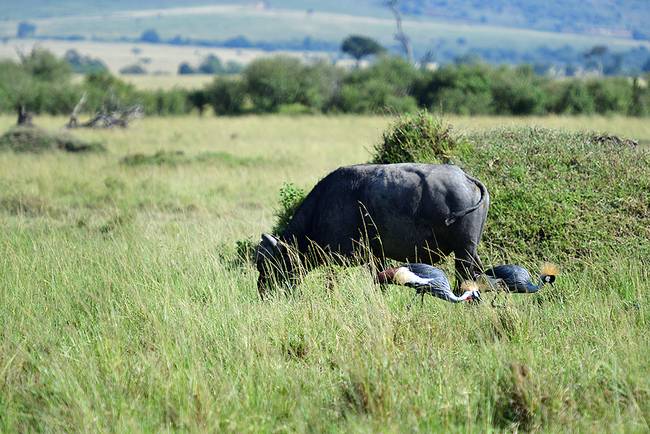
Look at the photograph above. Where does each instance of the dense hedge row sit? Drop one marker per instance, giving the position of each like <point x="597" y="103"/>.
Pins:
<point x="43" y="84"/>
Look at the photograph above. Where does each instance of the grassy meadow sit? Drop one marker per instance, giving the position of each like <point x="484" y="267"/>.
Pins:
<point x="124" y="306"/>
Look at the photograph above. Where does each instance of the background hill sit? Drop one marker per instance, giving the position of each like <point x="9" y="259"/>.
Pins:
<point x="550" y="34"/>
<point x="617" y="17"/>
<point x="611" y="17"/>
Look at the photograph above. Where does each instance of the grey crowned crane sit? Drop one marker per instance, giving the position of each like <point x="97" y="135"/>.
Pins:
<point x="517" y="278"/>
<point x="426" y="279"/>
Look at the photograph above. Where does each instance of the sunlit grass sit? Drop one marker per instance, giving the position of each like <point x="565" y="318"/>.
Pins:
<point x="124" y="308"/>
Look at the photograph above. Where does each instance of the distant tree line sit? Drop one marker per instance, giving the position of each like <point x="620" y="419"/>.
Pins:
<point x="42" y="83"/>
<point x="392" y="85"/>
<point x="562" y="60"/>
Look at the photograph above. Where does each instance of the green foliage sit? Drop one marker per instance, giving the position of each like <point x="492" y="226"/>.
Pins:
<point x="135" y="69"/>
<point x="415" y="138"/>
<point x="83" y="64"/>
<point x="169" y="102"/>
<point x="43" y="83"/>
<point x="274" y="81"/>
<point x="125" y="306"/>
<point x="574" y="98"/>
<point x="37" y="140"/>
<point x="361" y="46"/>
<point x="463" y="89"/>
<point x="226" y="96"/>
<point x="517" y="92"/>
<point x="291" y="197"/>
<point x="553" y="194"/>
<point x="384" y="87"/>
<point x="610" y="96"/>
<point x="43" y="65"/>
<point x="562" y="195"/>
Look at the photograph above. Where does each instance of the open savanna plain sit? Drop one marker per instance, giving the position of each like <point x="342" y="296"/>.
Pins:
<point x="124" y="306"/>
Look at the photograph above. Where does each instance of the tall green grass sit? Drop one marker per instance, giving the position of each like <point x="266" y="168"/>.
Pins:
<point x="124" y="307"/>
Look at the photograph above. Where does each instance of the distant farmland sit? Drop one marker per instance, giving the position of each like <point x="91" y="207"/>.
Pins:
<point x="157" y="58"/>
<point x="220" y="22"/>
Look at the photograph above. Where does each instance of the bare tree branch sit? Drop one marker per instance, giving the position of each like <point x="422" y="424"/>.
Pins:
<point x="400" y="35"/>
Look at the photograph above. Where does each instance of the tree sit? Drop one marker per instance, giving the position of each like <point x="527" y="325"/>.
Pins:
<point x="25" y="30"/>
<point x="211" y="65"/>
<point x="360" y="47"/>
<point x="43" y="65"/>
<point x="400" y="36"/>
<point x="596" y="55"/>
<point x="134" y="69"/>
<point x="150" y="36"/>
<point x="185" y="68"/>
<point x="83" y="64"/>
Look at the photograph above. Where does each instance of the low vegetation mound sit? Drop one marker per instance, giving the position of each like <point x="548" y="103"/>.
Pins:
<point x="175" y="158"/>
<point x="554" y="194"/>
<point x="36" y="140"/>
<point x="417" y="137"/>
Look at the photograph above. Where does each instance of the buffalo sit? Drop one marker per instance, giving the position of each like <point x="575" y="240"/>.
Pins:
<point x="407" y="212"/>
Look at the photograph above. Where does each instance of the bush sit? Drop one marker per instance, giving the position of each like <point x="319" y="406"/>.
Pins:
<point x="134" y="69"/>
<point x="150" y="36"/>
<point x="273" y="82"/>
<point x="384" y="87"/>
<point x="43" y="65"/>
<point x="318" y="85"/>
<point x="185" y="68"/>
<point x="226" y="96"/>
<point x="610" y="96"/>
<point x="517" y="92"/>
<point x="83" y="64"/>
<point x="169" y="102"/>
<point x="290" y="199"/>
<point x="574" y="98"/>
<point x="463" y="89"/>
<point x="416" y="137"/>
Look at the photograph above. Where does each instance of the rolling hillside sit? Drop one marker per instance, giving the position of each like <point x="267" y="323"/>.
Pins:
<point x="524" y="31"/>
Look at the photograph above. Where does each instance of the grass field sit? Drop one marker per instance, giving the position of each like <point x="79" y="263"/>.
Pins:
<point x="123" y="306"/>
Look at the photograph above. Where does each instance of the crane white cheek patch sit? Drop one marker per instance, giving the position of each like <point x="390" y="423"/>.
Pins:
<point x="404" y="276"/>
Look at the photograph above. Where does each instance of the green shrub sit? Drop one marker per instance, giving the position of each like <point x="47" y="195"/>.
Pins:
<point x="574" y="98"/>
<point x="274" y="81"/>
<point x="517" y="92"/>
<point x="290" y="199"/>
<point x="612" y="95"/>
<point x="418" y="137"/>
<point x="463" y="89"/>
<point x="318" y="85"/>
<point x="226" y="96"/>
<point x="384" y="87"/>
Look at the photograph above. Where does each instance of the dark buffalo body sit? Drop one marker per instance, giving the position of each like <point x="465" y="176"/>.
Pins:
<point x="406" y="212"/>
